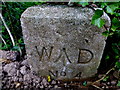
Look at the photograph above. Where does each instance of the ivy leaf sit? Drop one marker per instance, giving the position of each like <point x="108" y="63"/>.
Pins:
<point x="106" y="33"/>
<point x="107" y="57"/>
<point x="84" y="83"/>
<point x="115" y="24"/>
<point x="98" y="22"/>
<point x="96" y="19"/>
<point x="117" y="64"/>
<point x="83" y="3"/>
<point x="103" y="4"/>
<point x="118" y="84"/>
<point x="112" y="8"/>
<point x="106" y="78"/>
<point x="98" y="13"/>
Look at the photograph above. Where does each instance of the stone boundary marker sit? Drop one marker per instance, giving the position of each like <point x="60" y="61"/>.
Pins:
<point x="61" y="42"/>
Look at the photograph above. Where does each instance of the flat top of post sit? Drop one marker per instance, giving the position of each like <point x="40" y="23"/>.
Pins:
<point x="57" y="11"/>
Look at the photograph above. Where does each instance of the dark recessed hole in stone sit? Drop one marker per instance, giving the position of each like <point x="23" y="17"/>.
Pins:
<point x="36" y="47"/>
<point x="86" y="40"/>
<point x="51" y="46"/>
<point x="43" y="47"/>
<point x="64" y="49"/>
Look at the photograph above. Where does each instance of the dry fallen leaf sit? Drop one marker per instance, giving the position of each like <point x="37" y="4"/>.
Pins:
<point x="17" y="84"/>
<point x="5" y="60"/>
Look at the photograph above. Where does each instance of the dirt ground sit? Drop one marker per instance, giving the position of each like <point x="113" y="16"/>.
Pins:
<point x="17" y="74"/>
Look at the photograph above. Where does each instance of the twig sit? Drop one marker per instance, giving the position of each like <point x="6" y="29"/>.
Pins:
<point x="97" y="87"/>
<point x="70" y="3"/>
<point x="103" y="76"/>
<point x="3" y="40"/>
<point x="12" y="39"/>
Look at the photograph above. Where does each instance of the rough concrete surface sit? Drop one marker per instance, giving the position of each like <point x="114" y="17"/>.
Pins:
<point x="61" y="42"/>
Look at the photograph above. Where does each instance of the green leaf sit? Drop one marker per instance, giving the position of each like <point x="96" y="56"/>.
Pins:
<point x="96" y="19"/>
<point x="118" y="84"/>
<point x="103" y="4"/>
<point x="117" y="64"/>
<point x="98" y="22"/>
<point x="112" y="8"/>
<point x="106" y="33"/>
<point x="107" y="57"/>
<point x="106" y="78"/>
<point x="84" y="83"/>
<point x="83" y="3"/>
<point x="98" y="13"/>
<point x="115" y="49"/>
<point x="115" y="24"/>
<point x="117" y="57"/>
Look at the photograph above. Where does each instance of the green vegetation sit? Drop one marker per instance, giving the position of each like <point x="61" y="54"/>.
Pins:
<point x="12" y="12"/>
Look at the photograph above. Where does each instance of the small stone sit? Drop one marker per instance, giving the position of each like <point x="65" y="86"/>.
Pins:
<point x="53" y="82"/>
<point x="103" y="86"/>
<point x="25" y="87"/>
<point x="27" y="77"/>
<point x="65" y="84"/>
<point x="20" y="79"/>
<point x="10" y="55"/>
<point x="107" y="87"/>
<point x="50" y="86"/>
<point x="23" y="70"/>
<point x="44" y="82"/>
<point x="41" y="86"/>
<point x="15" y="79"/>
<point x="34" y="84"/>
<point x="36" y="80"/>
<point x="113" y="82"/>
<point x="18" y="72"/>
<point x="25" y="62"/>
<point x="11" y="68"/>
<point x="56" y="86"/>
<point x="108" y="83"/>
<point x="38" y="85"/>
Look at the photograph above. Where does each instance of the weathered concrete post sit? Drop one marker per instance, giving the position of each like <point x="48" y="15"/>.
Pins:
<point x="61" y="42"/>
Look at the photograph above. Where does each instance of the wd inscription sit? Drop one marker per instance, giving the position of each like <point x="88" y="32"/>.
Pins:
<point x="61" y="42"/>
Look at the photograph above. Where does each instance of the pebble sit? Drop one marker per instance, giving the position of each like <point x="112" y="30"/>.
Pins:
<point x="113" y="82"/>
<point x="15" y="79"/>
<point x="10" y="55"/>
<point x="56" y="86"/>
<point x="27" y="77"/>
<point x="25" y="87"/>
<point x="15" y="72"/>
<point x="25" y="62"/>
<point x="108" y="83"/>
<point x="53" y="82"/>
<point x="44" y="82"/>
<point x="41" y="86"/>
<point x="23" y="70"/>
<point x="18" y="72"/>
<point x="20" y="79"/>
<point x="11" y="68"/>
